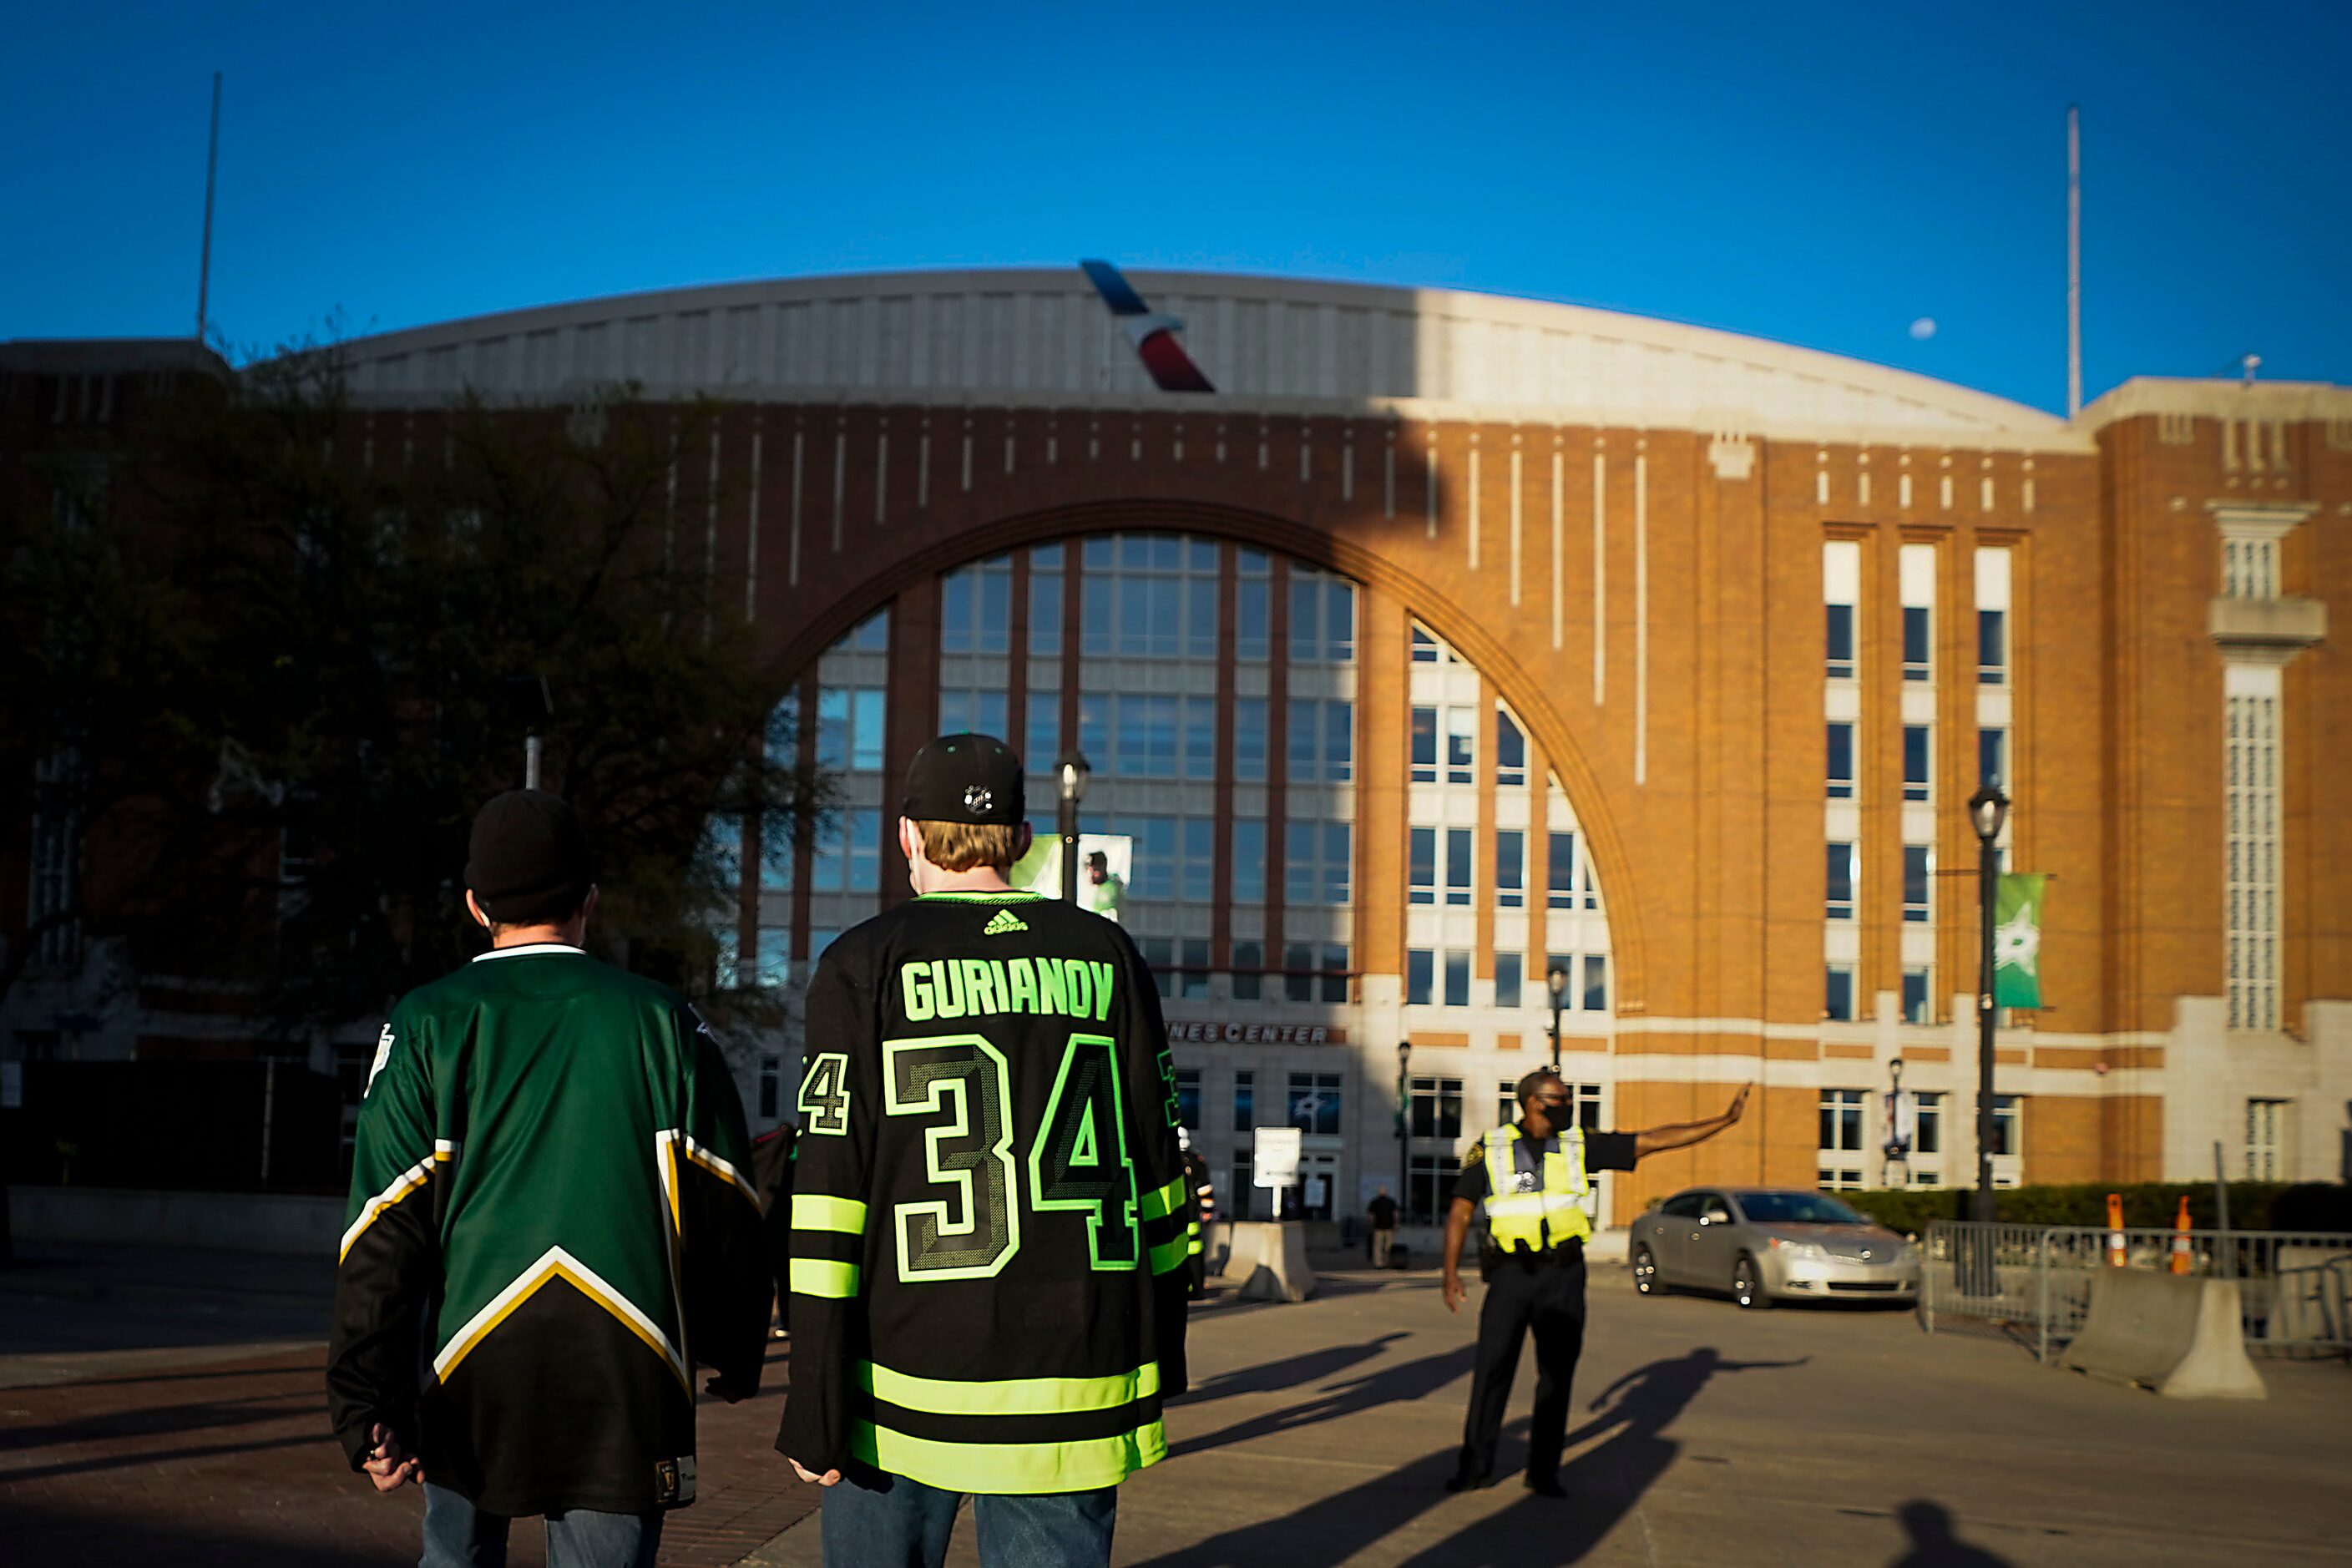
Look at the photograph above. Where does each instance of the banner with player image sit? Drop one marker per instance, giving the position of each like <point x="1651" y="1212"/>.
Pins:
<point x="1101" y="888"/>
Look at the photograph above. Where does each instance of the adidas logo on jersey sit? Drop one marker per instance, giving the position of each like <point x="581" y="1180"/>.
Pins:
<point x="1005" y="920"/>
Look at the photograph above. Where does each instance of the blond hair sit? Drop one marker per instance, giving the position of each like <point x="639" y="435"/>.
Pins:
<point x="960" y="845"/>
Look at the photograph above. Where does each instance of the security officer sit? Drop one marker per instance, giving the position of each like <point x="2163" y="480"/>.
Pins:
<point x="1533" y="1177"/>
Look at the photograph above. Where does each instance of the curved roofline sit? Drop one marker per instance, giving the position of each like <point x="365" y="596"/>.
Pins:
<point x="1965" y="412"/>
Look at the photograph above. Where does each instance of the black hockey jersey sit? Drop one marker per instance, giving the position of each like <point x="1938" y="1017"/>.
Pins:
<point x="989" y="1206"/>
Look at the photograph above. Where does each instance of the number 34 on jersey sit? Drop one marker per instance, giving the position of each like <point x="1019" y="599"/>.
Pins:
<point x="967" y="1223"/>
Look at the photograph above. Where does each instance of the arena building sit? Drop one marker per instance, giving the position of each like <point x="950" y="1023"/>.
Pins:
<point x="1457" y="640"/>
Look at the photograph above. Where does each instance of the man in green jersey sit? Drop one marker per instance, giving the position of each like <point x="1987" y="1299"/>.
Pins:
<point x="552" y="1220"/>
<point x="990" y="1215"/>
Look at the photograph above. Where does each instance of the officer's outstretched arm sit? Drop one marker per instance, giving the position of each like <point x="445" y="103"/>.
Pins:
<point x="1682" y="1134"/>
<point x="1457" y="1225"/>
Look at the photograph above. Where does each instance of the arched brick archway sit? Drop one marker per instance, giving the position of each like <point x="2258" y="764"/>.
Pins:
<point x="1465" y="632"/>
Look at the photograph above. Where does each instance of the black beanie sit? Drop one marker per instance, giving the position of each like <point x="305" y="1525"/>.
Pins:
<point x="528" y="861"/>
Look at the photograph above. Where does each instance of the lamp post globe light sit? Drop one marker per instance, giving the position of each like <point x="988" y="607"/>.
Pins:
<point x="1070" y="775"/>
<point x="1557" y="981"/>
<point x="1404" y="1132"/>
<point x="1988" y="811"/>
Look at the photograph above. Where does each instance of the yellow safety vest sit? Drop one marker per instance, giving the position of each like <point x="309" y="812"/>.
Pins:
<point x="1533" y="1221"/>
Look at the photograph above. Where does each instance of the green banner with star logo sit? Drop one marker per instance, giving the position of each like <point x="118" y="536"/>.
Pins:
<point x="2017" y="940"/>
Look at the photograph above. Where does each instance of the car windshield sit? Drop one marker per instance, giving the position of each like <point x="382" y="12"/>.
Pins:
<point x="1797" y="1208"/>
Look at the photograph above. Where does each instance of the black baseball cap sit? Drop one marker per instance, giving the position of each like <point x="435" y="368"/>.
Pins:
<point x="966" y="778"/>
<point x="528" y="860"/>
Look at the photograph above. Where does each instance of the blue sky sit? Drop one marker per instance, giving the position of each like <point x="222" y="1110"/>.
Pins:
<point x="1824" y="175"/>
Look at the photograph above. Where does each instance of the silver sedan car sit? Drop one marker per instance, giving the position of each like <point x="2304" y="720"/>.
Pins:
<point x="1768" y="1244"/>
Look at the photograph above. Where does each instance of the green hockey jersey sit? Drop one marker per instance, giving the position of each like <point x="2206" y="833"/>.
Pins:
<point x="552" y="1220"/>
<point x="989" y="1209"/>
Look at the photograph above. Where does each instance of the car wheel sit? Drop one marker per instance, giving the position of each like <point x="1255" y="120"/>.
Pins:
<point x="1747" y="1285"/>
<point x="1646" y="1273"/>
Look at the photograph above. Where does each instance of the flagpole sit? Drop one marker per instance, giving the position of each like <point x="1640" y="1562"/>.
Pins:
<point x="205" y="266"/>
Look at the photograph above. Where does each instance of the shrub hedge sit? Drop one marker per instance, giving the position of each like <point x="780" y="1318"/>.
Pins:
<point x="2254" y="1205"/>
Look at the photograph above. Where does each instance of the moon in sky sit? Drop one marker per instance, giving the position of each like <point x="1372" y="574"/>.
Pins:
<point x="1924" y="328"/>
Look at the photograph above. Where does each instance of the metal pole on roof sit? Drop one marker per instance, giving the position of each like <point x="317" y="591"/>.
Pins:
<point x="2074" y="259"/>
<point x="212" y="168"/>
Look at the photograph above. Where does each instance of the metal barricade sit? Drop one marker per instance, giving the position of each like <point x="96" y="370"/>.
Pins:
<point x="2032" y="1283"/>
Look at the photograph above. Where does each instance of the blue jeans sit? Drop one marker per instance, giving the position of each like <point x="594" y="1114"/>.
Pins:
<point x="897" y="1523"/>
<point x="459" y="1535"/>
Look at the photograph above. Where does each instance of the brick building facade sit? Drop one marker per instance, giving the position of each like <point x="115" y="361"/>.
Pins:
<point x="1456" y="639"/>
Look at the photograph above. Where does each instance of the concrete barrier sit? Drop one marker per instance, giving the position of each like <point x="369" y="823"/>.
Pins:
<point x="1270" y="1260"/>
<point x="234" y="1222"/>
<point x="2178" y="1335"/>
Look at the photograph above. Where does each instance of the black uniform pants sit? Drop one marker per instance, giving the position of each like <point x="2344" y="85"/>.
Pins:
<point x="1547" y="1297"/>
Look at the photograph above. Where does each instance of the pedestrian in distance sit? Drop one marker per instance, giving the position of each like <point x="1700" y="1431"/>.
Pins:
<point x="1533" y="1175"/>
<point x="1204" y="1215"/>
<point x="990" y="1213"/>
<point x="771" y="1176"/>
<point x="1382" y="1211"/>
<point x="550" y="1203"/>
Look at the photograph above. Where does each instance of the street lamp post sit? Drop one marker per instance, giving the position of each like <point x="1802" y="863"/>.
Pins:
<point x="1071" y="772"/>
<point x="1988" y="810"/>
<point x="1405" y="1130"/>
<point x="1557" y="981"/>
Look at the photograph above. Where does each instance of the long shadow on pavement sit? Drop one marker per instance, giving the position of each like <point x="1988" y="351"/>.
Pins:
<point x="1311" y="1367"/>
<point x="1604" y="1483"/>
<point x="1933" y="1543"/>
<point x="1398" y="1384"/>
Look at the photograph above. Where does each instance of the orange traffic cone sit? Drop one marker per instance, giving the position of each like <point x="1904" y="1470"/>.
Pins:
<point x="2116" y="1230"/>
<point x="2181" y="1260"/>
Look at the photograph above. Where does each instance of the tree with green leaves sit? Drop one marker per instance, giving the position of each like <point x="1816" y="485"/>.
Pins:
<point x="274" y="677"/>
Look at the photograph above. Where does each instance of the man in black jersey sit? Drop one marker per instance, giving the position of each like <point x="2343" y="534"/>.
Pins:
<point x="990" y="1214"/>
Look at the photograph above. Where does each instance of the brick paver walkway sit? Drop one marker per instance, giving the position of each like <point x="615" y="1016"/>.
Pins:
<point x="231" y="1462"/>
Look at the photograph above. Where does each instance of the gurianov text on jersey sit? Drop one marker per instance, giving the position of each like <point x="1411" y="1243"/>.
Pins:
<point x="972" y="987"/>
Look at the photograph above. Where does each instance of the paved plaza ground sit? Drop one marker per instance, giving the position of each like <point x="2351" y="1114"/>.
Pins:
<point x="145" y="1421"/>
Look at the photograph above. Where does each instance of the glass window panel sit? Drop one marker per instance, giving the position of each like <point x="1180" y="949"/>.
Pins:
<point x="785" y="732"/>
<point x="776" y="853"/>
<point x="1251" y="562"/>
<point x="1167" y="601"/>
<point x="866" y="727"/>
<point x="872" y="634"/>
<point x="1298" y="971"/>
<point x="865" y="846"/>
<point x="1134" y="599"/>
<point x="1045" y="609"/>
<point x="1917" y="1007"/>
<point x="1201" y="557"/>
<point x="1249" y="860"/>
<point x="995" y="630"/>
<point x="1841" y="875"/>
<point x="1461" y="745"/>
<point x="1507" y="981"/>
<point x="1838" y="997"/>
<point x="1094" y="730"/>
<point x="1840" y="637"/>
<point x="1334" y="972"/>
<point x="1188" y="1097"/>
<point x="1918" y="642"/>
<point x="1298" y="863"/>
<point x="1992" y="646"/>
<point x="1167" y="552"/>
<point x="1199" y="737"/>
<point x="1249" y="984"/>
<point x="1420" y="976"/>
<point x="1200" y="861"/>
<point x="1338" y="836"/>
<point x="1919" y="750"/>
<point x="1306" y="725"/>
<point x="832" y="727"/>
<point x="955" y="712"/>
<point x="1841" y="761"/>
<point x="1916" y="882"/>
<point x="1250" y="619"/>
<point x="1339" y="740"/>
<point x="1992" y="757"/>
<point x="1101" y="552"/>
<point x="771" y="964"/>
<point x="1421" y="862"/>
<point x="1457" y="980"/>
<point x="1097" y="603"/>
<point x="1510" y="867"/>
<point x="1560" y="868"/>
<point x="1425" y="745"/>
<point x="1510" y="751"/>
<point x="1339" y="620"/>
<point x="1249" y="740"/>
<point x="1424" y="647"/>
<point x="1305" y="620"/>
<point x="1201" y="615"/>
<point x="1043" y="741"/>
<point x="987" y="714"/>
<point x="1596" y="981"/>
<point x="1457" y="865"/>
<point x="956" y="611"/>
